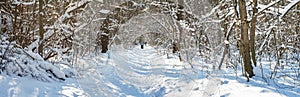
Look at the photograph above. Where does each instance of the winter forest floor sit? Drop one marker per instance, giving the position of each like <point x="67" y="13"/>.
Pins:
<point x="146" y="73"/>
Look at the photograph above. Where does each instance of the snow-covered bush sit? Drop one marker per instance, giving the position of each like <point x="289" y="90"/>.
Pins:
<point x="17" y="61"/>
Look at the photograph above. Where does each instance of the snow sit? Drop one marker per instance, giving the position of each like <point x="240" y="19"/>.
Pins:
<point x="135" y="72"/>
<point x="265" y="40"/>
<point x="72" y="8"/>
<point x="27" y="87"/>
<point x="211" y="12"/>
<point x="144" y="72"/>
<point x="288" y="7"/>
<point x="24" y="3"/>
<point x="104" y="11"/>
<point x="35" y="56"/>
<point x="282" y="11"/>
<point x="226" y="42"/>
<point x="100" y="1"/>
<point x="262" y="7"/>
<point x="232" y="87"/>
<point x="54" y="70"/>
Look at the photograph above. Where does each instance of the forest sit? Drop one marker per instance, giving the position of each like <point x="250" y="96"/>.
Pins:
<point x="150" y="48"/>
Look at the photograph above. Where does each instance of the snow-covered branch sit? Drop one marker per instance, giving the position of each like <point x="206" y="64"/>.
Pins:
<point x="288" y="7"/>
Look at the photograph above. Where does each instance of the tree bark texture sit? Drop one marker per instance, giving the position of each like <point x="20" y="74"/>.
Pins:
<point x="245" y="39"/>
<point x="252" y="32"/>
<point x="41" y="30"/>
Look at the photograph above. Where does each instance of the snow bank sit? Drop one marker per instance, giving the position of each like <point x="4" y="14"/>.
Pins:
<point x="17" y="61"/>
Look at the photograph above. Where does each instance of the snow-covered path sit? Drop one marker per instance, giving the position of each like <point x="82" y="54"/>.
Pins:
<point x="140" y="73"/>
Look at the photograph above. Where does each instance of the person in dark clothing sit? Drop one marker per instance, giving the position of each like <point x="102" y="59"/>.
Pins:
<point x="142" y="41"/>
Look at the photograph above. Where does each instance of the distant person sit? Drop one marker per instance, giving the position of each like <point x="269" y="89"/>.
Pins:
<point x="142" y="45"/>
<point x="142" y="41"/>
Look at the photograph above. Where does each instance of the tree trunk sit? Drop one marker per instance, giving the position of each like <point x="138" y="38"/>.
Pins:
<point x="252" y="32"/>
<point x="245" y="39"/>
<point x="104" y="43"/>
<point x="41" y="29"/>
<point x="175" y="47"/>
<point x="239" y="43"/>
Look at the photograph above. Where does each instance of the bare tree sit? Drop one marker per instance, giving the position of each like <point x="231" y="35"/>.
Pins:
<point x="245" y="51"/>
<point x="41" y="28"/>
<point x="252" y="31"/>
